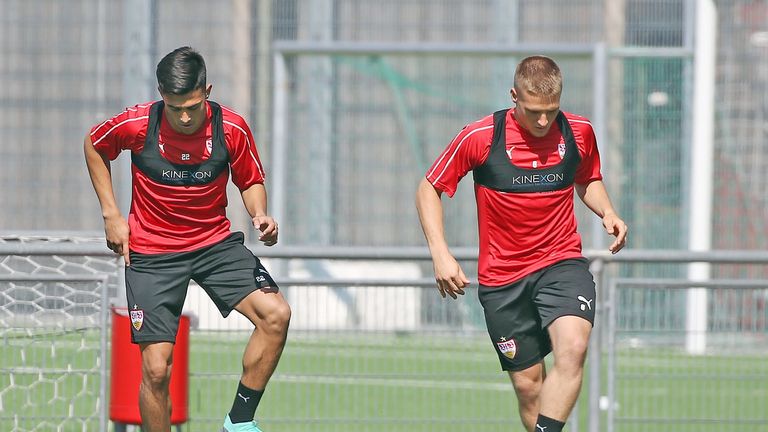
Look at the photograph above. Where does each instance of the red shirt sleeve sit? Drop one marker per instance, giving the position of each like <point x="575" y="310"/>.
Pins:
<point x="125" y="131"/>
<point x="466" y="151"/>
<point x="245" y="163"/>
<point x="589" y="168"/>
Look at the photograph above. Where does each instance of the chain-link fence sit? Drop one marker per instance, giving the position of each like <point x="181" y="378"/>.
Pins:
<point x="374" y="347"/>
<point x="53" y="354"/>
<point x="654" y="383"/>
<point x="357" y="129"/>
<point x="54" y="333"/>
<point x="363" y="127"/>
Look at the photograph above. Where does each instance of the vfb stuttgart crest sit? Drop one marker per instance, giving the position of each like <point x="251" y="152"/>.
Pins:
<point x="507" y="347"/>
<point x="137" y="318"/>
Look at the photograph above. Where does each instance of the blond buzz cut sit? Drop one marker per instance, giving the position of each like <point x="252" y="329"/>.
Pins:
<point x="539" y="76"/>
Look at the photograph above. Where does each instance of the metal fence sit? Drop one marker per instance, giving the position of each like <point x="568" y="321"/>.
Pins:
<point x="53" y="329"/>
<point x="372" y="91"/>
<point x="649" y="368"/>
<point x="372" y="346"/>
<point x="363" y="126"/>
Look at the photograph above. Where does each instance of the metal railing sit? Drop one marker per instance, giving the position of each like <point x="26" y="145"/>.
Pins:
<point x="20" y="259"/>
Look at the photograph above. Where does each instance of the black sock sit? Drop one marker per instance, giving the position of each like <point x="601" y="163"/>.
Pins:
<point x="546" y="424"/>
<point x="244" y="406"/>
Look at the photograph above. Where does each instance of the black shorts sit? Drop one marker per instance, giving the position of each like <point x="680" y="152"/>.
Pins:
<point x="156" y="284"/>
<point x="517" y="315"/>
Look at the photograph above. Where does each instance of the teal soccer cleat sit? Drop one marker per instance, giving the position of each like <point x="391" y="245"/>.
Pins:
<point x="239" y="427"/>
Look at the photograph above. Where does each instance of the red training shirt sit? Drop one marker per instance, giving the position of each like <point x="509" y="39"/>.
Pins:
<point x="519" y="233"/>
<point x="166" y="218"/>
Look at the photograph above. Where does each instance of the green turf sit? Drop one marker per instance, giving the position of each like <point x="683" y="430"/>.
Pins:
<point x="371" y="384"/>
<point x="382" y="382"/>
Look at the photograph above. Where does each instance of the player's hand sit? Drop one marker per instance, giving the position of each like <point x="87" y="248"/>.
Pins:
<point x="117" y="231"/>
<point x="617" y="228"/>
<point x="450" y="279"/>
<point x="267" y="228"/>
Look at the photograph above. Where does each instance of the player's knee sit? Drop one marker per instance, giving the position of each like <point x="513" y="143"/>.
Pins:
<point x="527" y="395"/>
<point x="156" y="374"/>
<point x="578" y="348"/>
<point x="573" y="354"/>
<point x="527" y="389"/>
<point x="277" y="320"/>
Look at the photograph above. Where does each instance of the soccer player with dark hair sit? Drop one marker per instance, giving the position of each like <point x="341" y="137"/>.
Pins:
<point x="535" y="286"/>
<point x="183" y="149"/>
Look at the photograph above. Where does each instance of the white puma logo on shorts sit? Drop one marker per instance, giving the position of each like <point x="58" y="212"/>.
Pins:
<point x="585" y="304"/>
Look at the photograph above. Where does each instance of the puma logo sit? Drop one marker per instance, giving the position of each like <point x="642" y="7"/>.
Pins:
<point x="245" y="399"/>
<point x="541" y="428"/>
<point x="585" y="304"/>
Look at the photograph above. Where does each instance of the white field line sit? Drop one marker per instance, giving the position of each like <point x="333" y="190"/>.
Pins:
<point x="483" y="354"/>
<point x="390" y="382"/>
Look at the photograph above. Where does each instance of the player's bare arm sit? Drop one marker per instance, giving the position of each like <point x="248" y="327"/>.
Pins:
<point x="255" y="200"/>
<point x="115" y="226"/>
<point x="449" y="276"/>
<point x="595" y="196"/>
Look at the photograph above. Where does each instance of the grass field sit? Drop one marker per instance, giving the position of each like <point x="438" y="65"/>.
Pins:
<point x="382" y="382"/>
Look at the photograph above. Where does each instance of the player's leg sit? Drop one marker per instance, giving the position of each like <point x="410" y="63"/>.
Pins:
<point x="515" y="331"/>
<point x="570" y="337"/>
<point x="156" y="286"/>
<point x="528" y="383"/>
<point x="154" y="399"/>
<point x="235" y="279"/>
<point x="565" y="298"/>
<point x="270" y="315"/>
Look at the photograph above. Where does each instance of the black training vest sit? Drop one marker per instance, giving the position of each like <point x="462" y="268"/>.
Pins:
<point x="499" y="173"/>
<point x="161" y="170"/>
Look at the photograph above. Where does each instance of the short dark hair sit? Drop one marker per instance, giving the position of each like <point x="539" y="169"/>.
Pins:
<point x="181" y="71"/>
